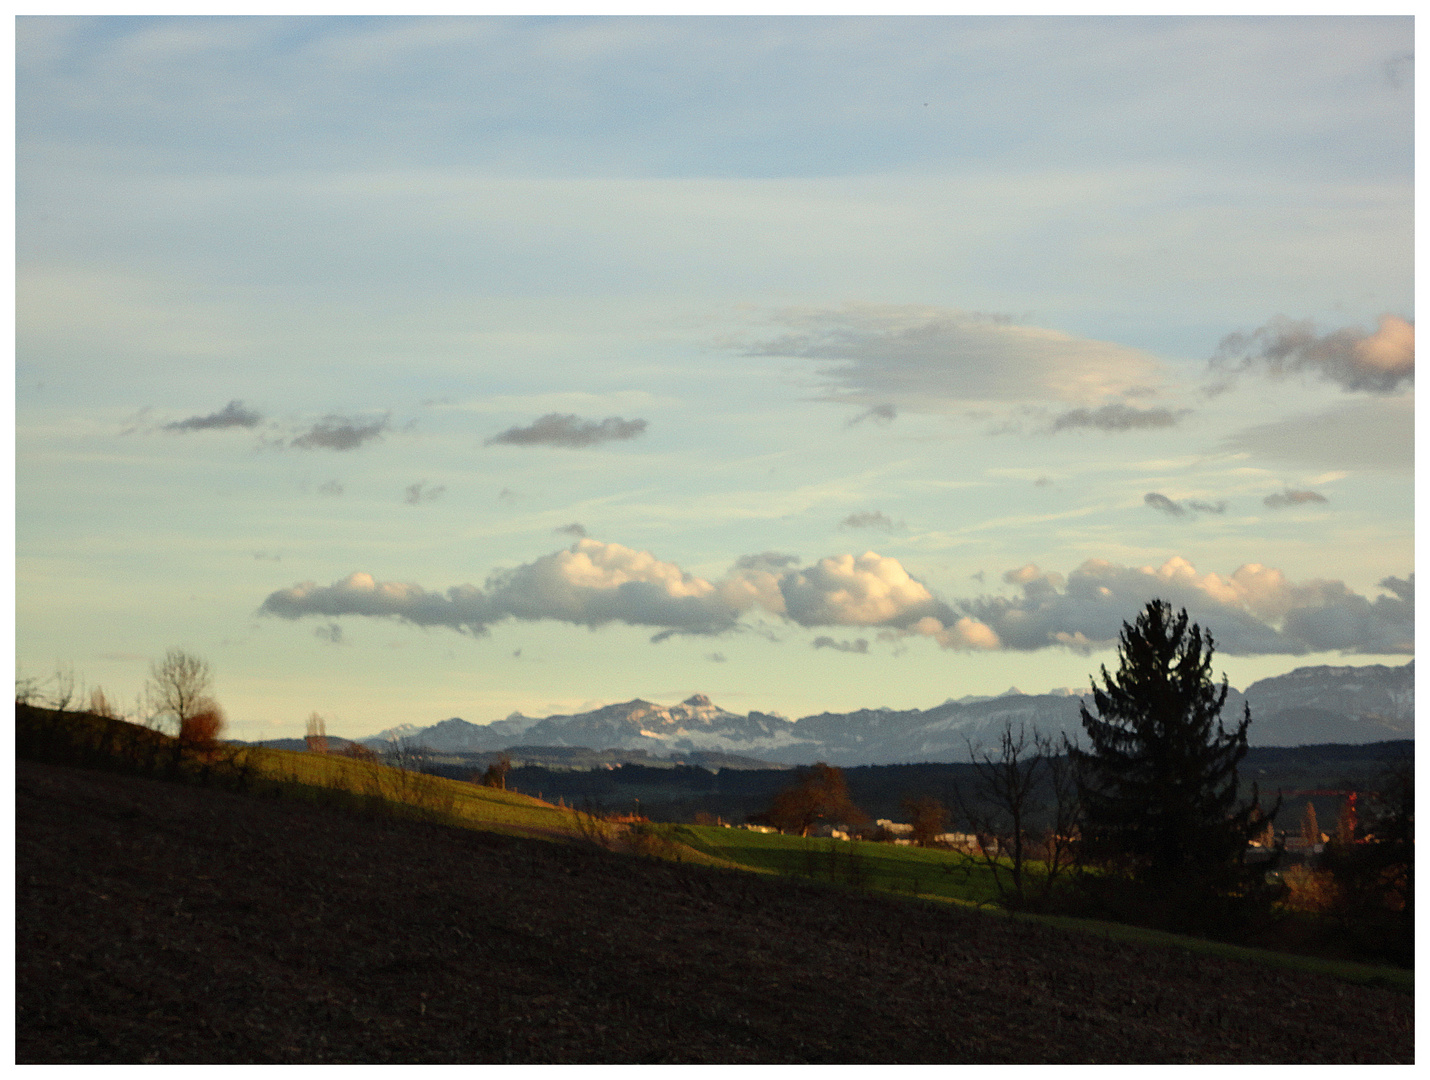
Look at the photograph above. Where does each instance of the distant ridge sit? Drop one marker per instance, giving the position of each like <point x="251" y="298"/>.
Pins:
<point x="1323" y="704"/>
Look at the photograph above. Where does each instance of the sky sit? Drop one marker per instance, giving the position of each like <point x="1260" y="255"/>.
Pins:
<point x="414" y="368"/>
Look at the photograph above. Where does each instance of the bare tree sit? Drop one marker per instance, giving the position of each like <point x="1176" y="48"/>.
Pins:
<point x="1023" y="808"/>
<point x="179" y="687"/>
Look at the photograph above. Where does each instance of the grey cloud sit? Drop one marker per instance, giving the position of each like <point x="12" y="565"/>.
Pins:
<point x="419" y="493"/>
<point x="231" y="415"/>
<point x="339" y="433"/>
<point x="575" y="529"/>
<point x="1042" y="481"/>
<point x="1157" y="501"/>
<point x="1377" y="434"/>
<point x="332" y="487"/>
<point x="880" y="414"/>
<point x="332" y="634"/>
<point x="570" y="431"/>
<point x="1292" y="498"/>
<point x="1378" y="362"/>
<point x="1118" y="417"/>
<point x="506" y="495"/>
<point x="926" y="359"/>
<point x="1254" y="611"/>
<point x="1399" y="68"/>
<point x="858" y="645"/>
<point x="267" y="556"/>
<point x="870" y="519"/>
<point x="716" y="657"/>
<point x="766" y="560"/>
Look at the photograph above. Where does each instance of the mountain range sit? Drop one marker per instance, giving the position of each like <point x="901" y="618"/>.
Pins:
<point x="1324" y="704"/>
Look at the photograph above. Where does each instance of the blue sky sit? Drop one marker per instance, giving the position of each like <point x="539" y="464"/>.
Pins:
<point x="411" y="368"/>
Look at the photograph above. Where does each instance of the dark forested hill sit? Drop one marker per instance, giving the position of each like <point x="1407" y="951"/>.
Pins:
<point x="678" y="793"/>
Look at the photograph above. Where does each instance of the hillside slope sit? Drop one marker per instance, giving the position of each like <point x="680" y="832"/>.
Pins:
<point x="166" y="923"/>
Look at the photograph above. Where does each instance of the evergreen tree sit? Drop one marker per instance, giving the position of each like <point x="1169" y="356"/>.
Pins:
<point x="1158" y="784"/>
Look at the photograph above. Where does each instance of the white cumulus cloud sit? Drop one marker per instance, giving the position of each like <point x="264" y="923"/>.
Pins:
<point x="1254" y="610"/>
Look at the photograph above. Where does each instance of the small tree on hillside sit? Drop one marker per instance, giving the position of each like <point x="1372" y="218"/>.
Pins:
<point x="179" y="687"/>
<point x="495" y="775"/>
<point x="1158" y="784"/>
<point x="820" y="794"/>
<point x="1023" y="806"/>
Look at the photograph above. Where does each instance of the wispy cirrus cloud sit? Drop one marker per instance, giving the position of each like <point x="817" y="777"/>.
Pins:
<point x="230" y="416"/>
<point x="1379" y="362"/>
<point x="1378" y="434"/>
<point x="570" y="431"/>
<point x="928" y="359"/>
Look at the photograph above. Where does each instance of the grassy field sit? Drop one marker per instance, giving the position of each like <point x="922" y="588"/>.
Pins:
<point x="948" y="877"/>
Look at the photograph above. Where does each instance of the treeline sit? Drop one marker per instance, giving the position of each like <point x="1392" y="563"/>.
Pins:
<point x="681" y="792"/>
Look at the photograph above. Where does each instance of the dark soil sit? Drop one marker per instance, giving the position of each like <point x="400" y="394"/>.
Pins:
<point x="166" y="923"/>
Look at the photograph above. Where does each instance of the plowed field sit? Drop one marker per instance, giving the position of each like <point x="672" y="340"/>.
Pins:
<point x="165" y="924"/>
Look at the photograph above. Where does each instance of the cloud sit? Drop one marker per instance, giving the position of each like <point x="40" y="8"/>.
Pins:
<point x="594" y="583"/>
<point x="865" y="590"/>
<point x="231" y="415"/>
<point x="267" y="556"/>
<point x="574" y="529"/>
<point x="590" y="584"/>
<point x="858" y="645"/>
<point x="870" y="519"/>
<point x="1378" y="362"/>
<point x="1118" y="417"/>
<point x="1278" y="499"/>
<point x="1157" y="501"/>
<point x="716" y="657"/>
<point x="570" y="431"/>
<point x="928" y="359"/>
<point x="332" y="487"/>
<point x="1378" y="434"/>
<point x="1251" y="612"/>
<point x="339" y="433"/>
<point x="419" y="493"/>
<point x="880" y="414"/>
<point x="332" y="634"/>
